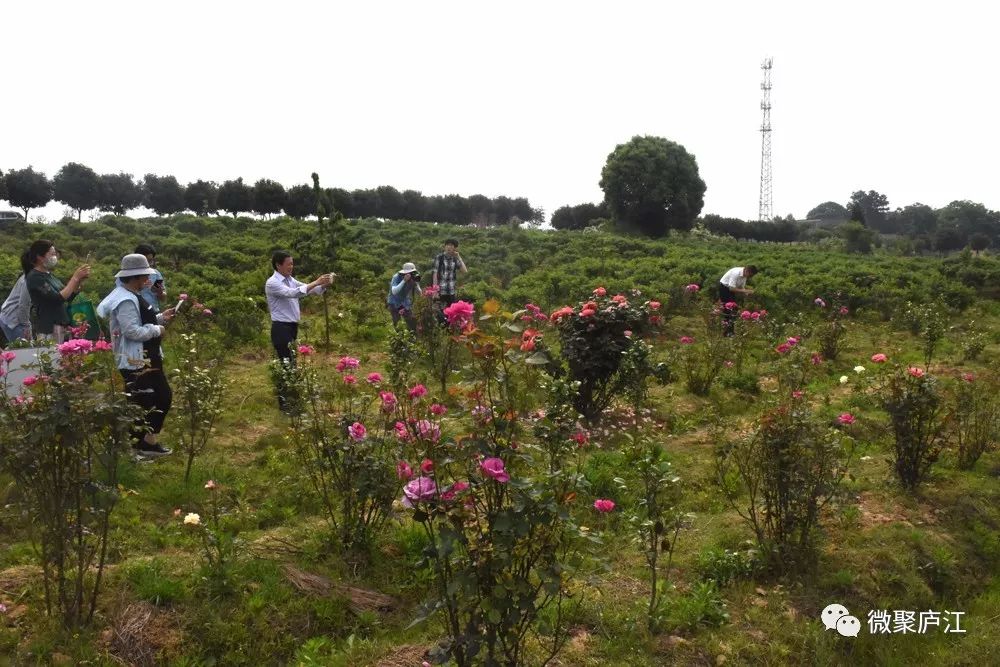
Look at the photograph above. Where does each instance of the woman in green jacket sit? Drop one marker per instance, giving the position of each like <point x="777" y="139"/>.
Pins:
<point x="49" y="296"/>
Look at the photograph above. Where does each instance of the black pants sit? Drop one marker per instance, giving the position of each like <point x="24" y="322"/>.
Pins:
<point x="405" y="313"/>
<point x="283" y="335"/>
<point x="727" y="295"/>
<point x="148" y="388"/>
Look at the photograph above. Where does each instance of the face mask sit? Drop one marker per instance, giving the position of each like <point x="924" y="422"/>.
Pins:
<point x="50" y="262"/>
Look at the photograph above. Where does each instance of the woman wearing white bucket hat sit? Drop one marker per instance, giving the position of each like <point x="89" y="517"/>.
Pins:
<point x="404" y="284"/>
<point x="136" y="331"/>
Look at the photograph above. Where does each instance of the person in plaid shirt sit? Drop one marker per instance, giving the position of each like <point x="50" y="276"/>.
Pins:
<point x="446" y="267"/>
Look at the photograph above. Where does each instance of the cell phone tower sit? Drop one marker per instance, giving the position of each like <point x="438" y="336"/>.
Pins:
<point x="766" y="207"/>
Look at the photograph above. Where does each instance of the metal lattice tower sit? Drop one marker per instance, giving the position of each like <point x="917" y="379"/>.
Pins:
<point x="766" y="207"/>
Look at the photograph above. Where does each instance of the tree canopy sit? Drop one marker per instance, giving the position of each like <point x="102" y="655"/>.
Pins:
<point x="268" y="197"/>
<point x="235" y="197"/>
<point x="118" y="193"/>
<point x="77" y="186"/>
<point x="28" y="189"/>
<point x="163" y="194"/>
<point x="653" y="184"/>
<point x="202" y="197"/>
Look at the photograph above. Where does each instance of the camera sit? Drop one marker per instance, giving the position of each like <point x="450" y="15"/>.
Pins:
<point x="415" y="277"/>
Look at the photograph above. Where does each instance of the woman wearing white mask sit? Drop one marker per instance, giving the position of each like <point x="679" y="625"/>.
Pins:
<point x="49" y="296"/>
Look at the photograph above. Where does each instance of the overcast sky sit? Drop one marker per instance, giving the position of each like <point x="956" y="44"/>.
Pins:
<point x="512" y="98"/>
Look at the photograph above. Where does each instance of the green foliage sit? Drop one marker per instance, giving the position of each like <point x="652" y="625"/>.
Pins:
<point x="235" y="197"/>
<point x="202" y="197"/>
<point x="76" y="185"/>
<point x="163" y="194"/>
<point x="593" y="340"/>
<point x="118" y="193"/>
<point x="150" y="580"/>
<point x="974" y="416"/>
<point x="653" y="184"/>
<point x="27" y="189"/>
<point x="268" y="197"/>
<point x="198" y="388"/>
<point x="61" y="443"/>
<point x="779" y="476"/>
<point x="915" y="407"/>
<point x="724" y="566"/>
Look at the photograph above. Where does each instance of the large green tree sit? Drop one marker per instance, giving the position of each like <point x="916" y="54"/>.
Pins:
<point x="77" y="186"/>
<point x="829" y="211"/>
<point x="268" y="197"/>
<point x="118" y="193"/>
<point x="914" y="220"/>
<point x="28" y="189"/>
<point x="579" y="216"/>
<point x="869" y="208"/>
<point x="202" y="197"/>
<point x="970" y="218"/>
<point x="652" y="183"/>
<point x="163" y="194"/>
<point x="235" y="197"/>
<point x="301" y="202"/>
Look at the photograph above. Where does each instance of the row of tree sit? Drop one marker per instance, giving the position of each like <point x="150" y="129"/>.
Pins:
<point x="81" y="188"/>
<point x="961" y="223"/>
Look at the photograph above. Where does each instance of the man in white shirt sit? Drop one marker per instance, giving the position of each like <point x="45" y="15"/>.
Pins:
<point x="733" y="283"/>
<point x="283" y="293"/>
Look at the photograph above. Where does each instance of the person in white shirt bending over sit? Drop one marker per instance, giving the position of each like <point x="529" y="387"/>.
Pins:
<point x="283" y="293"/>
<point x="732" y="286"/>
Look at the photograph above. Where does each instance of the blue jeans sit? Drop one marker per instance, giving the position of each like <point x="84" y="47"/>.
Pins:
<point x="12" y="334"/>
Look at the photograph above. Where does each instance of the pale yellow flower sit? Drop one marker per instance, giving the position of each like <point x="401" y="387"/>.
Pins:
<point x="192" y="519"/>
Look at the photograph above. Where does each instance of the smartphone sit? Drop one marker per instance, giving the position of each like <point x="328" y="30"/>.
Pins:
<point x="180" y="303"/>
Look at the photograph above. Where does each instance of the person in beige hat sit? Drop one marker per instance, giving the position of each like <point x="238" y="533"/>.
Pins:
<point x="136" y="332"/>
<point x="404" y="284"/>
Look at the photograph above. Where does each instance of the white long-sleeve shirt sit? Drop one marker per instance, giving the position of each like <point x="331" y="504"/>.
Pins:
<point x="283" y="294"/>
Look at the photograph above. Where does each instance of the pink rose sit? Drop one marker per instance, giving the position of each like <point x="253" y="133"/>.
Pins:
<point x="388" y="401"/>
<point x="968" y="377"/>
<point x="357" y="431"/>
<point x="419" y="490"/>
<point x="306" y="350"/>
<point x="654" y="305"/>
<point x="74" y="347"/>
<point x="730" y="305"/>
<point x="350" y="379"/>
<point x="427" y="466"/>
<point x="915" y="372"/>
<point x="686" y="340"/>
<point x="494" y="467"/>
<point x="428" y="430"/>
<point x="746" y="315"/>
<point x="692" y="288"/>
<point x="403" y="470"/>
<point x="600" y="291"/>
<point x="206" y="312"/>
<point x="819" y="302"/>
<point x="588" y="312"/>
<point x="528" y="345"/>
<point x="346" y="363"/>
<point x="438" y="409"/>
<point x="417" y="391"/>
<point x="30" y="380"/>
<point x="183" y="297"/>
<point x="453" y="490"/>
<point x="844" y="310"/>
<point x="755" y="315"/>
<point x="604" y="505"/>
<point x="793" y="341"/>
<point x="459" y="313"/>
<point x="816" y="359"/>
<point x="845" y="418"/>
<point x="879" y="358"/>
<point x="8" y="357"/>
<point x="783" y="348"/>
<point x="210" y="485"/>
<point x="581" y="438"/>
<point x="102" y="346"/>
<point x="374" y="379"/>
<point x="628" y="333"/>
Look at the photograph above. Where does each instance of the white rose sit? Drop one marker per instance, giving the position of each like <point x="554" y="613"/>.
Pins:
<point x="192" y="519"/>
<point x="859" y="369"/>
<point x="843" y="379"/>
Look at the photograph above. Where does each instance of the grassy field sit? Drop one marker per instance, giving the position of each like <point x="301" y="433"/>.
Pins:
<point x="292" y="598"/>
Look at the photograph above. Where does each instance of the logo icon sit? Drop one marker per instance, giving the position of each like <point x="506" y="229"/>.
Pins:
<point x="836" y="617"/>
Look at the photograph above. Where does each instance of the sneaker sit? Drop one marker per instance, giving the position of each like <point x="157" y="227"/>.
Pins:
<point x="151" y="451"/>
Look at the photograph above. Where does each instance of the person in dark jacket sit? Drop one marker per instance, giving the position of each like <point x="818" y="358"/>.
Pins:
<point x="49" y="296"/>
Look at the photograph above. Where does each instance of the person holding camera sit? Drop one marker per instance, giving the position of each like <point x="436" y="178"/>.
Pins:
<point x="404" y="284"/>
<point x="49" y="297"/>
<point x="155" y="291"/>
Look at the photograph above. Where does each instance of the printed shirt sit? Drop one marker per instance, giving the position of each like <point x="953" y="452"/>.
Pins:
<point x="734" y="278"/>
<point x="446" y="268"/>
<point x="283" y="296"/>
